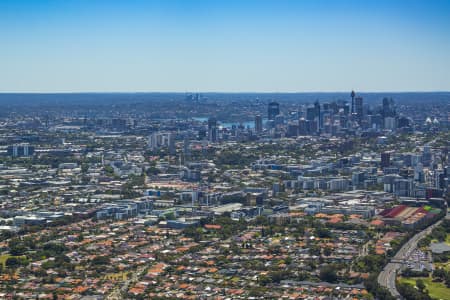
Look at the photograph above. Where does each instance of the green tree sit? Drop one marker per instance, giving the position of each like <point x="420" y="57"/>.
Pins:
<point x="420" y="284"/>
<point x="100" y="260"/>
<point x="17" y="247"/>
<point x="14" y="262"/>
<point x="328" y="274"/>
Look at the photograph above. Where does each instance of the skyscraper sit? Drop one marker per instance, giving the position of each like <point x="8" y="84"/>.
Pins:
<point x="171" y="143"/>
<point x="385" y="159"/>
<point x="258" y="123"/>
<point x="292" y="129"/>
<point x="212" y="129"/>
<point x="317" y="114"/>
<point x="273" y="110"/>
<point x="388" y="107"/>
<point x="359" y="109"/>
<point x="310" y="113"/>
<point x="186" y="149"/>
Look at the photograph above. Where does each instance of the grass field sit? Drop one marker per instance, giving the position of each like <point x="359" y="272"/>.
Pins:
<point x="3" y="259"/>
<point x="436" y="290"/>
<point x="122" y="276"/>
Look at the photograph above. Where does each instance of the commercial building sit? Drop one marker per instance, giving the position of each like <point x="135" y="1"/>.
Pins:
<point x="20" y="150"/>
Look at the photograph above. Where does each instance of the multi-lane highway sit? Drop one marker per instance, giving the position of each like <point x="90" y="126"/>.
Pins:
<point x="388" y="276"/>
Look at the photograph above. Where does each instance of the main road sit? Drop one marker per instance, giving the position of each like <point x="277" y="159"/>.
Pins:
<point x="388" y="276"/>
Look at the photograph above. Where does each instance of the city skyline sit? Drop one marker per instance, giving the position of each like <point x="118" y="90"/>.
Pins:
<point x="211" y="46"/>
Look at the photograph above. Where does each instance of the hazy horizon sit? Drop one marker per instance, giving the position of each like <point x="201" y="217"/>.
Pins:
<point x="225" y="92"/>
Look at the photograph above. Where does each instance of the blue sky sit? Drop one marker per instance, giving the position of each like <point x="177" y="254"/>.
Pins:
<point x="231" y="46"/>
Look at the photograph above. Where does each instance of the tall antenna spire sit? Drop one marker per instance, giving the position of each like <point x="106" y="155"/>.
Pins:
<point x="353" y="94"/>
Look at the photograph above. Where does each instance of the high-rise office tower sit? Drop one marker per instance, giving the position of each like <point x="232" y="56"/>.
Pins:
<point x="273" y="110"/>
<point x="171" y="143"/>
<point x="292" y="129"/>
<point x="310" y="113"/>
<point x="302" y="127"/>
<point x="212" y="129"/>
<point x="317" y="114"/>
<point x="258" y="123"/>
<point x="359" y="108"/>
<point x="186" y="149"/>
<point x="427" y="156"/>
<point x="385" y="159"/>
<point x="388" y="114"/>
<point x="388" y="107"/>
